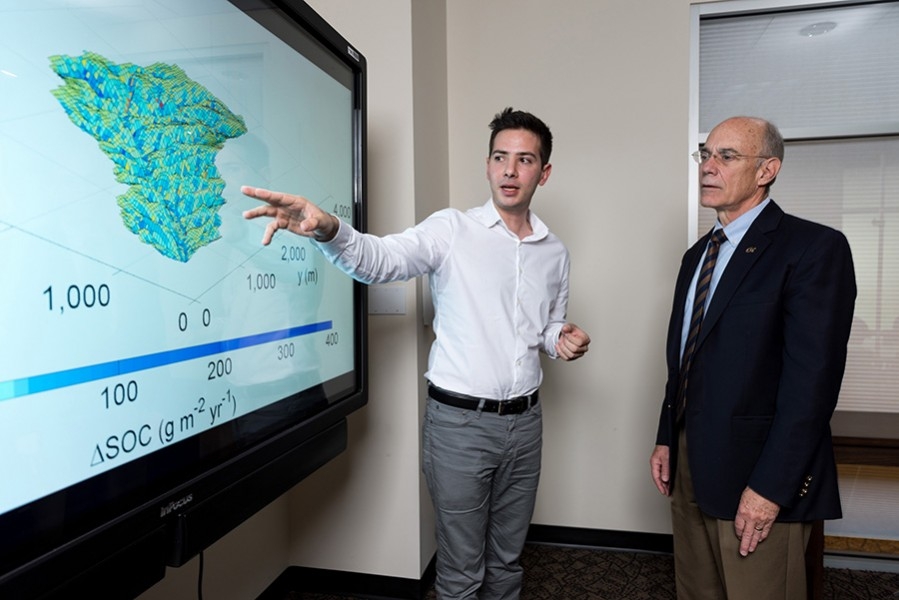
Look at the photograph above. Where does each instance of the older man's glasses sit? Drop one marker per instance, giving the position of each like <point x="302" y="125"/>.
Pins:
<point x="725" y="157"/>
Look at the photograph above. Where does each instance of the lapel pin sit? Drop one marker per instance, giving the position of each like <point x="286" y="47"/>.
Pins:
<point x="750" y="249"/>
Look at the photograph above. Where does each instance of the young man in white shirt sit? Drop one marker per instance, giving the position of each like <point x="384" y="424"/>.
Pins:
<point x="499" y="282"/>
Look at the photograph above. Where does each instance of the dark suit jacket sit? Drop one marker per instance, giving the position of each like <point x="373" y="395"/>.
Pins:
<point x="767" y="370"/>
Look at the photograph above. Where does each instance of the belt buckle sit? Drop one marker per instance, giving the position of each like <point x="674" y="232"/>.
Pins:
<point x="512" y="407"/>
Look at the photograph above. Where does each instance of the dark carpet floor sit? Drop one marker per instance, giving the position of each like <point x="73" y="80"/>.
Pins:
<point x="573" y="573"/>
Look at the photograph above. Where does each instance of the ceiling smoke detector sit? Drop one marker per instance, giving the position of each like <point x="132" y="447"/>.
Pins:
<point x="817" y="29"/>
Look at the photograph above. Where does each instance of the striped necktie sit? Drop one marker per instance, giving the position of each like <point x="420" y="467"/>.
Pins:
<point x="702" y="293"/>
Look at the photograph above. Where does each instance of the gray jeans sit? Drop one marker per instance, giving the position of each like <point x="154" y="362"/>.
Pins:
<point x="482" y="471"/>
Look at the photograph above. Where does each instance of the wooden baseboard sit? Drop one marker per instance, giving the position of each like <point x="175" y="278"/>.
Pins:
<point x="866" y="451"/>
<point x="866" y="546"/>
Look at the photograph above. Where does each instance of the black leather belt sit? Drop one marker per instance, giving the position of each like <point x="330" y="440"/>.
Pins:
<point x="513" y="406"/>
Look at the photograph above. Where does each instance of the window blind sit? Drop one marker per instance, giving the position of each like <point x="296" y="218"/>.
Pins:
<point x="835" y="97"/>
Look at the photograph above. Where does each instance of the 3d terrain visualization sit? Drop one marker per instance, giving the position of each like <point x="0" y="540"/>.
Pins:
<point x="162" y="132"/>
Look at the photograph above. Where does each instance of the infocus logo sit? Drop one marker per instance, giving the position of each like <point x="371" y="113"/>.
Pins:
<point x="352" y="52"/>
<point x="175" y="505"/>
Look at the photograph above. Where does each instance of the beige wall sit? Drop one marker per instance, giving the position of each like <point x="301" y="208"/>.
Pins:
<point x="611" y="80"/>
<point x="610" y="77"/>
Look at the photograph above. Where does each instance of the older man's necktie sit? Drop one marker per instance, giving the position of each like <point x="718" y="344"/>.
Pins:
<point x="699" y="299"/>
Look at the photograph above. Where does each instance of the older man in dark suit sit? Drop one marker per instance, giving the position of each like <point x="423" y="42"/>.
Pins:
<point x="756" y="352"/>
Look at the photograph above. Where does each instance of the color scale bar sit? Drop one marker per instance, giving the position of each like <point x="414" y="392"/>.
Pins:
<point x="16" y="388"/>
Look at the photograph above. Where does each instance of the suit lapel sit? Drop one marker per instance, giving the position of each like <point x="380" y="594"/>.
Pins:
<point x="750" y="250"/>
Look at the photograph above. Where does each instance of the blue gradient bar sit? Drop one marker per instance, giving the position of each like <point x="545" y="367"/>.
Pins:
<point x="15" y="388"/>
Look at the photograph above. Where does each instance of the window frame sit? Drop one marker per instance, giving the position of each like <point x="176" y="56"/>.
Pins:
<point x="854" y="424"/>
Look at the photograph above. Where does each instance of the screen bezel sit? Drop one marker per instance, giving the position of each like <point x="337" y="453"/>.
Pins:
<point x="155" y="515"/>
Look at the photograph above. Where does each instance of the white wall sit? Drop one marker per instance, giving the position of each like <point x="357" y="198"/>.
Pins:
<point x="610" y="77"/>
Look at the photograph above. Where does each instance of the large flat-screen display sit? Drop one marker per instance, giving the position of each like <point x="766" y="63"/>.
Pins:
<point x="162" y="374"/>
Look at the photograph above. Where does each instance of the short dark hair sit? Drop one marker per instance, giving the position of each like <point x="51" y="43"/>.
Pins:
<point x="517" y="119"/>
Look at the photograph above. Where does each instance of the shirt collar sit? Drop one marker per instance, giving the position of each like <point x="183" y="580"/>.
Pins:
<point x="489" y="217"/>
<point x="736" y="229"/>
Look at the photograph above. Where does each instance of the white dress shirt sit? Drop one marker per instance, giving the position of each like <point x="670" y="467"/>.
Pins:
<point x="498" y="300"/>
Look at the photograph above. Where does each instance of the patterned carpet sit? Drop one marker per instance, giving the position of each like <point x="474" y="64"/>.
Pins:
<point x="572" y="573"/>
